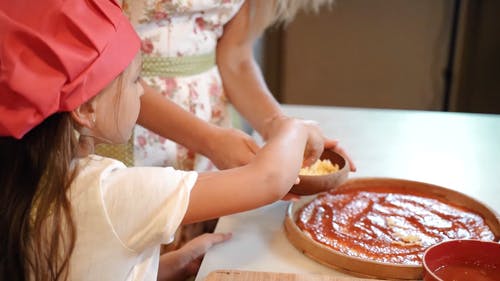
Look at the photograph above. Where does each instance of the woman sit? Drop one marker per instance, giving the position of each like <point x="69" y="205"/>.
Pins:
<point x="199" y="54"/>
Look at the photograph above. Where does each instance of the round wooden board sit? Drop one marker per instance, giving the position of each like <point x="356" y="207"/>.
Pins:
<point x="369" y="268"/>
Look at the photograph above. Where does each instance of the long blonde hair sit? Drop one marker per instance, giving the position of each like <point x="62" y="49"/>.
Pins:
<point x="285" y="10"/>
<point x="265" y="13"/>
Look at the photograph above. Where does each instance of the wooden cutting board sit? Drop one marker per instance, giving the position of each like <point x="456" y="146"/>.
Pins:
<point x="238" y="275"/>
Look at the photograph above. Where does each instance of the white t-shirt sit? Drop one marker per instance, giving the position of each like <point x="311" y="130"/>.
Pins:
<point x="122" y="215"/>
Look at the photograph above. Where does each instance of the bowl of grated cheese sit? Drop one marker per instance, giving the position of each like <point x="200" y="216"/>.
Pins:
<point x="329" y="171"/>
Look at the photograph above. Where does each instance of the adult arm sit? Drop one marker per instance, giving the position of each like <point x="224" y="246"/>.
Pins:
<point x="242" y="78"/>
<point x="246" y="88"/>
<point x="226" y="147"/>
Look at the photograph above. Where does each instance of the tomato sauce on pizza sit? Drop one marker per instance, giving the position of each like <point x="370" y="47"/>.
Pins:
<point x="387" y="226"/>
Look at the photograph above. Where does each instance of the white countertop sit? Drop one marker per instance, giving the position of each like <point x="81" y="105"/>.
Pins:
<point x="455" y="150"/>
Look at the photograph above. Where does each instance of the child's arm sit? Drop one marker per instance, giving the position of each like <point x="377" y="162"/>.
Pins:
<point x="185" y="262"/>
<point x="267" y="178"/>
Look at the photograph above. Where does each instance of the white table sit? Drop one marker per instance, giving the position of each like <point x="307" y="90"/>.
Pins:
<point x="454" y="150"/>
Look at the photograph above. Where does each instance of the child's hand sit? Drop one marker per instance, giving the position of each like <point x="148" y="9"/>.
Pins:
<point x="196" y="248"/>
<point x="291" y="197"/>
<point x="185" y="262"/>
<point x="315" y="139"/>
<point x="317" y="142"/>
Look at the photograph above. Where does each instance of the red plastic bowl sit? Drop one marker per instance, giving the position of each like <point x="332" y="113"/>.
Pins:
<point x="462" y="260"/>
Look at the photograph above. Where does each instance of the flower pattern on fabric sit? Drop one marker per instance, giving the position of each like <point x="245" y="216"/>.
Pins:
<point x="178" y="28"/>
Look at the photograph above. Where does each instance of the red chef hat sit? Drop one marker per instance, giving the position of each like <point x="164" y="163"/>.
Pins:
<point x="57" y="54"/>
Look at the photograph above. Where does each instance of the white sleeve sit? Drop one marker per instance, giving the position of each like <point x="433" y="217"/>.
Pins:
<point x="146" y="205"/>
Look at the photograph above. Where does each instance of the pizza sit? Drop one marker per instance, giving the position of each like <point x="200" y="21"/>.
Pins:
<point x="387" y="225"/>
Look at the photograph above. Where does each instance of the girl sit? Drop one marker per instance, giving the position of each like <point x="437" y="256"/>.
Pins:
<point x="69" y="80"/>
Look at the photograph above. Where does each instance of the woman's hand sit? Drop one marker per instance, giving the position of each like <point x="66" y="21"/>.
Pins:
<point x="185" y="262"/>
<point x="334" y="145"/>
<point x="230" y="148"/>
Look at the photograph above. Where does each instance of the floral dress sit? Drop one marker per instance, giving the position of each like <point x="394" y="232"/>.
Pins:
<point x="181" y="29"/>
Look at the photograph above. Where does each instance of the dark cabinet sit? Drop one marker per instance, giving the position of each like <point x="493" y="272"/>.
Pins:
<point x="406" y="54"/>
